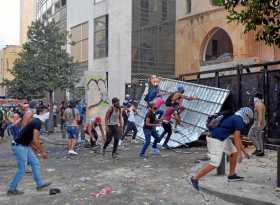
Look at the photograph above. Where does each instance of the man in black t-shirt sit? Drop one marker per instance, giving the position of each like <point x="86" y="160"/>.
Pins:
<point x="149" y="130"/>
<point x="28" y="140"/>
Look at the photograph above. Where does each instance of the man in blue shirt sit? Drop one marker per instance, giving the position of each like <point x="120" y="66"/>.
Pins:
<point x="219" y="141"/>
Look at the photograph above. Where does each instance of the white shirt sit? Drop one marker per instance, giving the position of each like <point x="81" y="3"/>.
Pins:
<point x="131" y="117"/>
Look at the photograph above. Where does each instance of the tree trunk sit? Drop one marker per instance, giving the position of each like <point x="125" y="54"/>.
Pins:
<point x="51" y="123"/>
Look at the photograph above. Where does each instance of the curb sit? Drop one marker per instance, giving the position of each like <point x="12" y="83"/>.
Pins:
<point x="235" y="198"/>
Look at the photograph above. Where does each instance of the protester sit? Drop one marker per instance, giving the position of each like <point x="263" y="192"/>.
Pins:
<point x="113" y="125"/>
<point x="219" y="141"/>
<point x="90" y="130"/>
<point x="55" y="113"/>
<point x="125" y="113"/>
<point x="131" y="126"/>
<point x="2" y="124"/>
<point x="256" y="133"/>
<point x="71" y="118"/>
<point x="166" y="123"/>
<point x="62" y="123"/>
<point x="28" y="140"/>
<point x="149" y="129"/>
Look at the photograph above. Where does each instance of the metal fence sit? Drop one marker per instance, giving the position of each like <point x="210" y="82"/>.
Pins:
<point x="244" y="82"/>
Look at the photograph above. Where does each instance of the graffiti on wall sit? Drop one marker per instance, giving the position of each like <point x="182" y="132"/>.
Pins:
<point x="97" y="95"/>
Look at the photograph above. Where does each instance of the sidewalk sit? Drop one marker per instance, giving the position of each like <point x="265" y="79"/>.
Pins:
<point x="259" y="186"/>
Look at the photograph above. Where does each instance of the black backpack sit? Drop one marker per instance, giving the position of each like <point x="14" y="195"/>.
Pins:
<point x="214" y="121"/>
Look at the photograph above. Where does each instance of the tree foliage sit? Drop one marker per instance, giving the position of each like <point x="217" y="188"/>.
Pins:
<point x="43" y="64"/>
<point x="262" y="16"/>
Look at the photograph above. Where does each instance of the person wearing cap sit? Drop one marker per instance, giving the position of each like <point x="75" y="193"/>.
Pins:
<point x="256" y="133"/>
<point x="219" y="141"/>
<point x="113" y="126"/>
<point x="25" y="146"/>
<point x="92" y="132"/>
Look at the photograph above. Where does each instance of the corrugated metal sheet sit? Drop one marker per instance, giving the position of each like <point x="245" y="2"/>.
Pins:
<point x="194" y="117"/>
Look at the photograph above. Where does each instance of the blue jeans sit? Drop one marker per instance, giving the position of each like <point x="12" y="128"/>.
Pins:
<point x="25" y="155"/>
<point x="148" y="133"/>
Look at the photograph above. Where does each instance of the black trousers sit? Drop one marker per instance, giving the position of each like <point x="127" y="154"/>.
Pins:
<point x="2" y="130"/>
<point x="167" y="130"/>
<point x="114" y="131"/>
<point x="95" y="135"/>
<point x="131" y="126"/>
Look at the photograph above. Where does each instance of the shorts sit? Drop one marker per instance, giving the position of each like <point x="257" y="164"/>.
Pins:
<point x="216" y="148"/>
<point x="72" y="132"/>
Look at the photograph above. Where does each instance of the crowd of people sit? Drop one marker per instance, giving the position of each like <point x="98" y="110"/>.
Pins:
<point x="24" y="125"/>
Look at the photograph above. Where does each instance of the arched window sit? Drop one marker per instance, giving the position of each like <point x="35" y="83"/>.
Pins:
<point x="218" y="47"/>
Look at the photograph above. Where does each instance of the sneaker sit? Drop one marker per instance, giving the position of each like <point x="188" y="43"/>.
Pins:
<point x="165" y="146"/>
<point x="120" y="143"/>
<point x="156" y="151"/>
<point x="115" y="156"/>
<point x="235" y="178"/>
<point x="255" y="152"/>
<point x="195" y="184"/>
<point x="72" y="152"/>
<point x="143" y="156"/>
<point x="260" y="154"/>
<point x="43" y="186"/>
<point x="14" y="192"/>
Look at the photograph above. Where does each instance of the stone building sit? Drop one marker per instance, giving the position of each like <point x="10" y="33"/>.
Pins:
<point x="8" y="55"/>
<point x="205" y="40"/>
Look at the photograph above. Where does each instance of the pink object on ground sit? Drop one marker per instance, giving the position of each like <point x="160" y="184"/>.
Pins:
<point x="105" y="191"/>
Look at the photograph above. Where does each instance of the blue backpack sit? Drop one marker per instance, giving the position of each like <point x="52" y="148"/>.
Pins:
<point x="151" y="95"/>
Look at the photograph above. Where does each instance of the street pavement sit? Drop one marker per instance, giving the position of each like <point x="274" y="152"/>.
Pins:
<point x="92" y="179"/>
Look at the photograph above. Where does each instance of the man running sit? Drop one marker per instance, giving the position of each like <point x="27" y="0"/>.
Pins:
<point x="149" y="128"/>
<point x="219" y="141"/>
<point x="256" y="133"/>
<point x="71" y="118"/>
<point x="113" y="125"/>
<point x="23" y="147"/>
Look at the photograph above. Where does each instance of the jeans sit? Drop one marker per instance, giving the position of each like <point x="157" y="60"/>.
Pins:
<point x="114" y="131"/>
<point x="72" y="132"/>
<point x="130" y="127"/>
<point x="25" y="155"/>
<point x="148" y="133"/>
<point x="167" y="130"/>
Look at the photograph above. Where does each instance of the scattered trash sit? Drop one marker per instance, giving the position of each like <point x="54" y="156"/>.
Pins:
<point x="50" y="170"/>
<point x="54" y="191"/>
<point x="105" y="191"/>
<point x="277" y="189"/>
<point x="85" y="179"/>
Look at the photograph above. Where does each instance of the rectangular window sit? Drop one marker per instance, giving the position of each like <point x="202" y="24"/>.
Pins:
<point x="63" y="2"/>
<point x="164" y="10"/>
<point x="97" y="1"/>
<point x="188" y="6"/>
<point x="101" y="37"/>
<point x="79" y="38"/>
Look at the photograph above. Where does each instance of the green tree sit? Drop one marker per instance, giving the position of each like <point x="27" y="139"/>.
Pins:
<point x="44" y="64"/>
<point x="262" y="16"/>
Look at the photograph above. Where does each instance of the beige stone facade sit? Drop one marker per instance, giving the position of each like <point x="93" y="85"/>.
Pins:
<point x="8" y="55"/>
<point x="26" y="16"/>
<point x="205" y="40"/>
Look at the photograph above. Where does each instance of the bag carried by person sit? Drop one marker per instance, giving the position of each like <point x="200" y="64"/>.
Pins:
<point x="214" y="121"/>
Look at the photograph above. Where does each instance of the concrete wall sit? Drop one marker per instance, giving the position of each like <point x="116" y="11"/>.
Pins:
<point x="118" y="63"/>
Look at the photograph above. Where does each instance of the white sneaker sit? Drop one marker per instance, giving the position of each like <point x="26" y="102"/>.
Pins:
<point x="120" y="143"/>
<point x="72" y="152"/>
